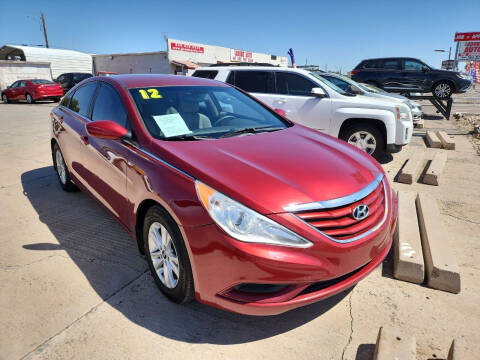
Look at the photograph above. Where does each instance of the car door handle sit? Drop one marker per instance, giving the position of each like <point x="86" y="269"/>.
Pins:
<point x="85" y="139"/>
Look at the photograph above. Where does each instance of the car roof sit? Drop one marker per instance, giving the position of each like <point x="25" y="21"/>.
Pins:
<point x="391" y="58"/>
<point x="253" y="68"/>
<point x="144" y="80"/>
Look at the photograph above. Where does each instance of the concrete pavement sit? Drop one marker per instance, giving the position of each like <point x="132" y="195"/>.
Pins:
<point x="72" y="284"/>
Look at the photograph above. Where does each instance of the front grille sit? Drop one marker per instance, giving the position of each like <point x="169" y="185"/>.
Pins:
<point x="339" y="222"/>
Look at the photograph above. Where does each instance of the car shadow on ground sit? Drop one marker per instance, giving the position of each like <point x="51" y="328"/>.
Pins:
<point x="110" y="261"/>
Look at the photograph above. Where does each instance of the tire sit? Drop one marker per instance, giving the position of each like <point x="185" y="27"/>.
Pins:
<point x="29" y="99"/>
<point x="5" y="98"/>
<point x="442" y="90"/>
<point x="161" y="252"/>
<point x="56" y="99"/>
<point x="373" y="140"/>
<point x="61" y="169"/>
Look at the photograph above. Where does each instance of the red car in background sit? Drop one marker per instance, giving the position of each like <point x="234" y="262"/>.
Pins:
<point x="229" y="201"/>
<point x="32" y="90"/>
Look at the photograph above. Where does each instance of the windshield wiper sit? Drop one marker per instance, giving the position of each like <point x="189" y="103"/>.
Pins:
<point x="251" y="130"/>
<point x="187" y="137"/>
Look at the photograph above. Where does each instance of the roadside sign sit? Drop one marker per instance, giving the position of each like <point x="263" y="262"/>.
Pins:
<point x="448" y="64"/>
<point x="467" y="36"/>
<point x="468" y="50"/>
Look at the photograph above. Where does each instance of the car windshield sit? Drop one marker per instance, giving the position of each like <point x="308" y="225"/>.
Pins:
<point x="324" y="81"/>
<point x="202" y="112"/>
<point x="41" y="81"/>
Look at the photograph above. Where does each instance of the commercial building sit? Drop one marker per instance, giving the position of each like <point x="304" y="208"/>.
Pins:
<point x="181" y="57"/>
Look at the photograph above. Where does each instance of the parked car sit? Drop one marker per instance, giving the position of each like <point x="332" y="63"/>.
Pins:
<point x="106" y="73"/>
<point x="69" y="80"/>
<point x="372" y="124"/>
<point x="348" y="85"/>
<point x="229" y="201"/>
<point x="32" y="90"/>
<point x="404" y="75"/>
<point x="417" y="112"/>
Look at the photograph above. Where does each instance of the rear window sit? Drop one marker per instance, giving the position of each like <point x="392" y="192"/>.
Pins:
<point x="40" y="81"/>
<point x="254" y="81"/>
<point x="206" y="74"/>
<point x="370" y="64"/>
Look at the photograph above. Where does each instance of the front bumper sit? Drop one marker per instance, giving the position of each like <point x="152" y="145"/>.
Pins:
<point x="403" y="133"/>
<point x="463" y="85"/>
<point x="220" y="264"/>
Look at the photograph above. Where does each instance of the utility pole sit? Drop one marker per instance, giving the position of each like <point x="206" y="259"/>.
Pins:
<point x="44" y="29"/>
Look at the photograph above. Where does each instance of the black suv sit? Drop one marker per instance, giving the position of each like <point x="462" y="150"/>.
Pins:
<point x="406" y="75"/>
<point x="69" y="80"/>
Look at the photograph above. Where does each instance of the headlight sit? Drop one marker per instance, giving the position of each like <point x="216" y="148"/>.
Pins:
<point x="244" y="224"/>
<point x="463" y="76"/>
<point x="403" y="113"/>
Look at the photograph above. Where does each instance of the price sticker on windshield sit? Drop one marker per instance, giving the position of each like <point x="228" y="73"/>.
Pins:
<point x="150" y="94"/>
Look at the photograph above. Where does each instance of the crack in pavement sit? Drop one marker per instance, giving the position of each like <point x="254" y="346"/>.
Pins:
<point x="351" y="325"/>
<point x="463" y="219"/>
<point x="44" y="344"/>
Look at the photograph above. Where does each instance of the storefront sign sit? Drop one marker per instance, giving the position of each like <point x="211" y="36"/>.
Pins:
<point x="186" y="47"/>
<point x="469" y="50"/>
<point x="468" y="36"/>
<point x="241" y="56"/>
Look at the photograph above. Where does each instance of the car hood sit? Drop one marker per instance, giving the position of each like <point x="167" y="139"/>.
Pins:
<point x="269" y="171"/>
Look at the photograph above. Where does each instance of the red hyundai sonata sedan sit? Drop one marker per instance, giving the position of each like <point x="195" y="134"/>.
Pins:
<point x="32" y="90"/>
<point x="230" y="202"/>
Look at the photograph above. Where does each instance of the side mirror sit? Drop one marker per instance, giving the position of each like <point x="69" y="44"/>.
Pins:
<point x="425" y="68"/>
<point x="106" y="129"/>
<point x="318" y="92"/>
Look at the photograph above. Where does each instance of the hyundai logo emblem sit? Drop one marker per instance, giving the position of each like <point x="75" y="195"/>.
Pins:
<point x="360" y="212"/>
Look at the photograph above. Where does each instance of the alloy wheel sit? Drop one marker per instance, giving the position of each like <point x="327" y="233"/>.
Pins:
<point x="442" y="90"/>
<point x="364" y="141"/>
<point x="164" y="255"/>
<point x="4" y="98"/>
<point x="60" y="164"/>
<point x="29" y="98"/>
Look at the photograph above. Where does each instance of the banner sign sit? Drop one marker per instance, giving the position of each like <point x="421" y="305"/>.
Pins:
<point x="241" y="56"/>
<point x="468" y="36"/>
<point x="468" y="50"/>
<point x="186" y="47"/>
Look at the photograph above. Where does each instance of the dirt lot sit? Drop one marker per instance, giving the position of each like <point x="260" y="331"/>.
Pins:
<point x="73" y="285"/>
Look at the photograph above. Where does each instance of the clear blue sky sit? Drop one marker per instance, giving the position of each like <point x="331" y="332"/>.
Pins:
<point x="336" y="33"/>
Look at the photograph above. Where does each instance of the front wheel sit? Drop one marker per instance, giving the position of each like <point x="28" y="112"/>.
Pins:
<point x="442" y="90"/>
<point x="56" y="99"/>
<point x="167" y="256"/>
<point x="366" y="137"/>
<point x="30" y="99"/>
<point x="4" y="98"/>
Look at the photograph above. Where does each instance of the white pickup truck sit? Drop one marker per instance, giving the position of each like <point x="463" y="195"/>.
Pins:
<point x="372" y="124"/>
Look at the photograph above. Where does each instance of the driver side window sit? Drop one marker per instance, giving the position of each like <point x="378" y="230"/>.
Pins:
<point x="294" y="84"/>
<point x="413" y="65"/>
